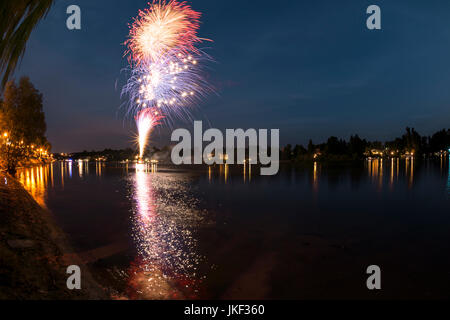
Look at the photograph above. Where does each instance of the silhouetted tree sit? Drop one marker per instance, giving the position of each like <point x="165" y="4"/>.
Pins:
<point x="413" y="141"/>
<point x="22" y="123"/>
<point x="357" y="147"/>
<point x="286" y="153"/>
<point x="18" y="18"/>
<point x="439" y="141"/>
<point x="298" y="151"/>
<point x="311" y="147"/>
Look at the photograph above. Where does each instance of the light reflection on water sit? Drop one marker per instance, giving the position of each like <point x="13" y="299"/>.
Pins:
<point x="35" y="181"/>
<point x="316" y="174"/>
<point x="39" y="179"/>
<point x="378" y="169"/>
<point x="163" y="218"/>
<point x="163" y="207"/>
<point x="448" y="180"/>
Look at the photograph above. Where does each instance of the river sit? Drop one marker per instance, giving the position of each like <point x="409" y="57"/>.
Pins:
<point x="160" y="232"/>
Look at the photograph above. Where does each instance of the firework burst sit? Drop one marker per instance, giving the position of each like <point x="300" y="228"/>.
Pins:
<point x="170" y="86"/>
<point x="165" y="65"/>
<point x="163" y="28"/>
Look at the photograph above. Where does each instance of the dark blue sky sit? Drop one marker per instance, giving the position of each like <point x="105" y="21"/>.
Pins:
<point x="309" y="68"/>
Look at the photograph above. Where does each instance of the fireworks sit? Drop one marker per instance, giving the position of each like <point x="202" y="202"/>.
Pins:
<point x="165" y="27"/>
<point x="146" y="121"/>
<point x="169" y="85"/>
<point x="165" y="73"/>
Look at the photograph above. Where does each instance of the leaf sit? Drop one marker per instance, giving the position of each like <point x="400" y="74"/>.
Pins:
<point x="18" y="18"/>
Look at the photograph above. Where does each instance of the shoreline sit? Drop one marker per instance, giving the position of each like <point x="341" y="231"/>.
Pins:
<point x="35" y="252"/>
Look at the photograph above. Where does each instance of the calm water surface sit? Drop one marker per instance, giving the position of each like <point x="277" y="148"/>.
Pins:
<point x="310" y="232"/>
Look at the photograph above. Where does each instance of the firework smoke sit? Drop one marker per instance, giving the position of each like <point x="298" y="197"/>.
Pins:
<point x="165" y="74"/>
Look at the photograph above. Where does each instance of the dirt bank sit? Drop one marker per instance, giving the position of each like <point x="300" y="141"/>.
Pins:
<point x="34" y="253"/>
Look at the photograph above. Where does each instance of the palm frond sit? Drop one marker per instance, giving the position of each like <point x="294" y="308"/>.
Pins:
<point x="18" y="18"/>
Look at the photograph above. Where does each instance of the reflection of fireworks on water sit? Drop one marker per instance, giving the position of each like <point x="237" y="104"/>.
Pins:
<point x="165" y="80"/>
<point x="165" y="73"/>
<point x="167" y="267"/>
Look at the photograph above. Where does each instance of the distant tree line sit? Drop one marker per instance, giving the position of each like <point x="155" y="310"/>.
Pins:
<point x="105" y="155"/>
<point x="109" y="154"/>
<point x="411" y="143"/>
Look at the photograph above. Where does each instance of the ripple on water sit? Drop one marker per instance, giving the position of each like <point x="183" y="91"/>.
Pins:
<point x="165" y="215"/>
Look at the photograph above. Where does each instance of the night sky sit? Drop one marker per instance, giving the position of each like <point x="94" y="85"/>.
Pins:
<point x="310" y="68"/>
